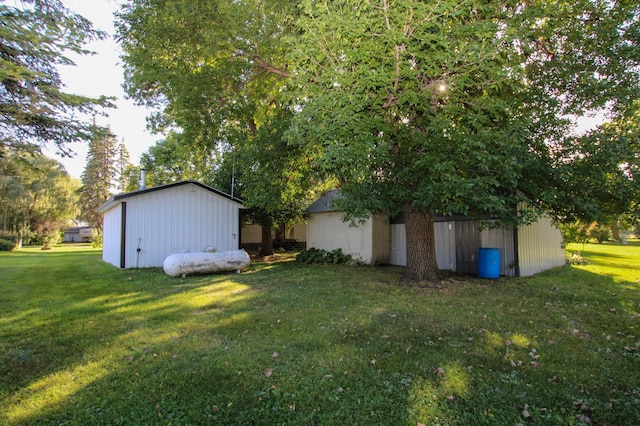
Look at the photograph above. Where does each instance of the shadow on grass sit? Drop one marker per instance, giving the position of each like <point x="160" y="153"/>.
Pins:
<point x="296" y="344"/>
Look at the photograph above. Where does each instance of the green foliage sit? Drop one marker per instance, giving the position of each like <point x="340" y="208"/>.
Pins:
<point x="450" y="108"/>
<point x="35" y="38"/>
<point x="37" y="195"/>
<point x="335" y="257"/>
<point x="289" y="343"/>
<point x="99" y="176"/>
<point x="173" y="159"/>
<point x="9" y="236"/>
<point x="575" y="232"/>
<point x="97" y="240"/>
<point x="7" y="245"/>
<point x="601" y="233"/>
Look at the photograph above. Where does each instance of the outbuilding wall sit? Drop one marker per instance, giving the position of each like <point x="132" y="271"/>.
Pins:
<point x="179" y="219"/>
<point x="367" y="242"/>
<point x="182" y="217"/>
<point x="111" y="236"/>
<point x="540" y="247"/>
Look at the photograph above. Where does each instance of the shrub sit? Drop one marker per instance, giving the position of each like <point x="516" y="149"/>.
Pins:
<point x="600" y="233"/>
<point x="6" y="245"/>
<point x="315" y="255"/>
<point x="96" y="241"/>
<point x="573" y="233"/>
<point x="10" y="236"/>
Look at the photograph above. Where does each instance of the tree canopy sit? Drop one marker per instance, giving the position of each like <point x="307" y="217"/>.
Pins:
<point x="448" y="107"/>
<point x="99" y="177"/>
<point x="38" y="198"/>
<point x="35" y="38"/>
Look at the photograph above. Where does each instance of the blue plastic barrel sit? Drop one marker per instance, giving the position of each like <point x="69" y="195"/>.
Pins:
<point x="489" y="263"/>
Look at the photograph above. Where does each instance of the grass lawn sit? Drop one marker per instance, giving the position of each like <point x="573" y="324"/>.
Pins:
<point x="82" y="343"/>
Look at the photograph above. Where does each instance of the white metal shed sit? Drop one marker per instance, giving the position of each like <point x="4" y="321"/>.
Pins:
<point x="142" y="228"/>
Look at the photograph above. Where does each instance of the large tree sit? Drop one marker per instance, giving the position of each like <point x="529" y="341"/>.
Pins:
<point x="37" y="197"/>
<point x="172" y="159"/>
<point x="274" y="178"/>
<point x="35" y="38"/>
<point x="99" y="176"/>
<point x="216" y="70"/>
<point x="449" y="107"/>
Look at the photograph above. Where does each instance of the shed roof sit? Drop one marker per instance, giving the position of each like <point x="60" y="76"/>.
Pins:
<point x="325" y="203"/>
<point x="113" y="201"/>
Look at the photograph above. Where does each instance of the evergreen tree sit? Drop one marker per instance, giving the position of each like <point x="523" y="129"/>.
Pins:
<point x="35" y="37"/>
<point x="99" y="176"/>
<point x="123" y="165"/>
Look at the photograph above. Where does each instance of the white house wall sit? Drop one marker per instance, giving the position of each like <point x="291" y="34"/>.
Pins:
<point x="180" y="219"/>
<point x="539" y="247"/>
<point x="328" y="231"/>
<point x="111" y="236"/>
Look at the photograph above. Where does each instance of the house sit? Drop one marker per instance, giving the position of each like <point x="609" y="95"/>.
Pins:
<point x="142" y="228"/>
<point x="78" y="234"/>
<point x="523" y="252"/>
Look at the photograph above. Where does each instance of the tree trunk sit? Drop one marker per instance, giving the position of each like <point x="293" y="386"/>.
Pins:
<point x="615" y="230"/>
<point x="422" y="264"/>
<point x="267" y="242"/>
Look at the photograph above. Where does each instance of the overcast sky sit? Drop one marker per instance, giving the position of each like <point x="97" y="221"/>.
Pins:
<point x="101" y="74"/>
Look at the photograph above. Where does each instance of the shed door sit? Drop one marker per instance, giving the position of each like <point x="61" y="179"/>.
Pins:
<point x="468" y="242"/>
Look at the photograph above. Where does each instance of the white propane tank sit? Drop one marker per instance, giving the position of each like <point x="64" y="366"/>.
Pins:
<point x="180" y="264"/>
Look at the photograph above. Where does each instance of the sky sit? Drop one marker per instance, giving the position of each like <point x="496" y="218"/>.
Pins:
<point x="101" y="74"/>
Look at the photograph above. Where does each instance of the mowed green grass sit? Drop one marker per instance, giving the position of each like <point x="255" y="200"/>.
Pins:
<point x="82" y="342"/>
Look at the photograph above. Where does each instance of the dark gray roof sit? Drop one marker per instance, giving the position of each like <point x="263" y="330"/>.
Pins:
<point x="325" y="202"/>
<point x="112" y="201"/>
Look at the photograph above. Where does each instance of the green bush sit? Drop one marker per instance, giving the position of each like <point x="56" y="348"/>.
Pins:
<point x="6" y="245"/>
<point x="600" y="233"/>
<point x="9" y="236"/>
<point x="96" y="241"/>
<point x="315" y="255"/>
<point x="573" y="233"/>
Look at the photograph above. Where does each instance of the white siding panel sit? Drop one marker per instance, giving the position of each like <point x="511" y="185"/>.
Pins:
<point x="503" y="240"/>
<point x="398" y="255"/>
<point x="539" y="247"/>
<point x="111" y="236"/>
<point x="180" y="219"/>
<point x="445" y="233"/>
